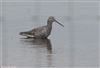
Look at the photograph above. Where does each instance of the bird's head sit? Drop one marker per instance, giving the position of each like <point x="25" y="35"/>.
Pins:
<point x="52" y="19"/>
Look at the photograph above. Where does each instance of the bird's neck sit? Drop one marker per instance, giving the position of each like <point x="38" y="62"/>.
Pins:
<point x="49" y="27"/>
<point x="49" y="23"/>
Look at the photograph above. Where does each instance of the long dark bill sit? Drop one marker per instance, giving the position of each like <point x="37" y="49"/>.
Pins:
<point x="59" y="23"/>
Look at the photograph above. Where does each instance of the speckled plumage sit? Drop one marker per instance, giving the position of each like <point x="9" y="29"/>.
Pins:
<point x="41" y="32"/>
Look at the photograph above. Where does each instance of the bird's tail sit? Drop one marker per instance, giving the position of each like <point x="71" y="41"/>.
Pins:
<point x="28" y="34"/>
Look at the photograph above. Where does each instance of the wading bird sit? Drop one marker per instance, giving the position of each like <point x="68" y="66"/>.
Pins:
<point x="41" y="32"/>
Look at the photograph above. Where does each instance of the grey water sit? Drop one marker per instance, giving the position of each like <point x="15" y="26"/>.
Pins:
<point x="74" y="45"/>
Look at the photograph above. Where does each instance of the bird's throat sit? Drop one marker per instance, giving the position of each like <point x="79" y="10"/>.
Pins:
<point x="49" y="24"/>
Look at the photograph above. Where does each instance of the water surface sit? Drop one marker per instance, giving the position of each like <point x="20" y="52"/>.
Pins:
<point x="75" y="45"/>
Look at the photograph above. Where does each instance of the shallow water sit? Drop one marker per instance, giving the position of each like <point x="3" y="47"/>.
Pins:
<point x="75" y="45"/>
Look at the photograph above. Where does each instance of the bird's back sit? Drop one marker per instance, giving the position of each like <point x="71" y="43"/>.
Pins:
<point x="41" y="32"/>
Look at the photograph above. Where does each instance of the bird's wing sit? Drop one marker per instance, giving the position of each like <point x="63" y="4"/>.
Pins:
<point x="39" y="30"/>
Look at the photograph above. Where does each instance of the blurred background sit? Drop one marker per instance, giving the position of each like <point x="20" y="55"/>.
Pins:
<point x="75" y="45"/>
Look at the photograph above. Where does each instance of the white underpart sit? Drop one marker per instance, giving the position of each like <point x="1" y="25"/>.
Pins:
<point x="30" y="36"/>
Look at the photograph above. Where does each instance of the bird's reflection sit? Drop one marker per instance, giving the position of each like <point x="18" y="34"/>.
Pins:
<point x="39" y="43"/>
